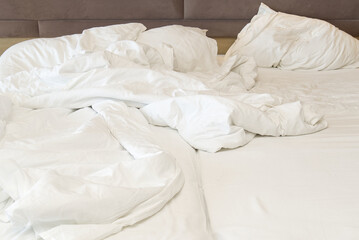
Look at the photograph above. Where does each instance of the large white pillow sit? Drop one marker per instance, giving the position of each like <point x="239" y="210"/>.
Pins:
<point x="99" y="38"/>
<point x="36" y="53"/>
<point x="48" y="52"/>
<point x="292" y="42"/>
<point x="192" y="49"/>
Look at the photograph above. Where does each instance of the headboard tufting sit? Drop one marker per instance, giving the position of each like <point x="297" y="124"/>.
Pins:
<point x="49" y="18"/>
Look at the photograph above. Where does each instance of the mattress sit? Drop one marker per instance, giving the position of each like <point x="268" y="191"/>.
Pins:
<point x="302" y="187"/>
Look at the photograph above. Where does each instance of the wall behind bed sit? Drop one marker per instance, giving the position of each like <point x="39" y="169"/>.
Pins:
<point x="223" y="18"/>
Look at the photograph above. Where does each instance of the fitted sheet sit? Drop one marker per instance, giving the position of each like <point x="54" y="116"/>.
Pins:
<point x="302" y="187"/>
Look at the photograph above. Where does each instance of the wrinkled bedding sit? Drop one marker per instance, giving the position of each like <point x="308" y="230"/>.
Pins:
<point x="55" y="132"/>
<point x="303" y="187"/>
<point x="106" y="172"/>
<point x="5" y="111"/>
<point x="65" y="178"/>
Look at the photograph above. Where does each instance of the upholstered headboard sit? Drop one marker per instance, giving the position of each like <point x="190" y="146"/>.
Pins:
<point x="223" y="18"/>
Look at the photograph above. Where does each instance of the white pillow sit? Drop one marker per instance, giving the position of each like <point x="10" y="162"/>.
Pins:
<point x="192" y="50"/>
<point x="36" y="53"/>
<point x="48" y="52"/>
<point x="292" y="42"/>
<point x="99" y="38"/>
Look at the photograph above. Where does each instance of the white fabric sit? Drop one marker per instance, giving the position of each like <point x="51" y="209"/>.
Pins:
<point x="41" y="52"/>
<point x="99" y="38"/>
<point x="65" y="192"/>
<point x="5" y="112"/>
<point x="211" y="123"/>
<point x="292" y="42"/>
<point x="182" y="218"/>
<point x="192" y="50"/>
<point x="86" y="79"/>
<point x="185" y="216"/>
<point x="303" y="187"/>
<point x="5" y="108"/>
<point x="110" y="162"/>
<point x="47" y="52"/>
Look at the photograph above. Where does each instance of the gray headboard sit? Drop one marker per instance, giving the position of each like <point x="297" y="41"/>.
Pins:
<point x="223" y="18"/>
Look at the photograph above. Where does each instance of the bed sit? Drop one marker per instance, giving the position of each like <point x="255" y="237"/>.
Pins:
<point x="113" y="128"/>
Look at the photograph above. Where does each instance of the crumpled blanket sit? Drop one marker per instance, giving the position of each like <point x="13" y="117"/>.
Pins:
<point x="127" y="86"/>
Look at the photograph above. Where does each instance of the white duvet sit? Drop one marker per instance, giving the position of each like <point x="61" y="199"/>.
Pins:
<point x="90" y="181"/>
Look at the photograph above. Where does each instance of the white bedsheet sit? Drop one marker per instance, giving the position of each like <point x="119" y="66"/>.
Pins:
<point x="303" y="187"/>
